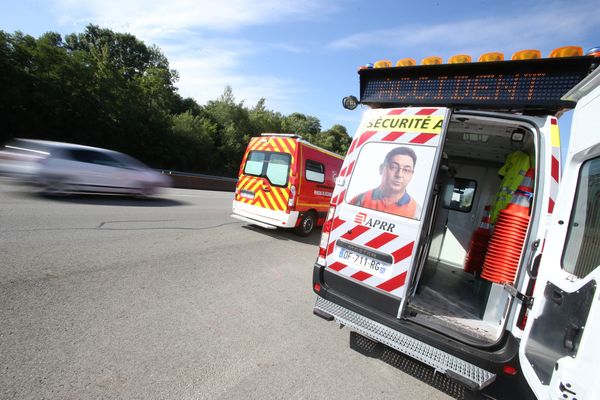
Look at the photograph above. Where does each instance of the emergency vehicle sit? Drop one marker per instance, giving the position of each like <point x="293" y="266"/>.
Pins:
<point x="285" y="182"/>
<point x="491" y="279"/>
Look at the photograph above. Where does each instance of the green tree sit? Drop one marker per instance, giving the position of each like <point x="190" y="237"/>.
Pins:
<point x="235" y="129"/>
<point x="335" y="139"/>
<point x="193" y="142"/>
<point x="306" y="126"/>
<point x="263" y="120"/>
<point x="109" y="89"/>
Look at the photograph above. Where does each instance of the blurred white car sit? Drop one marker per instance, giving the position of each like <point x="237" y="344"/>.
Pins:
<point x="20" y="158"/>
<point x="71" y="168"/>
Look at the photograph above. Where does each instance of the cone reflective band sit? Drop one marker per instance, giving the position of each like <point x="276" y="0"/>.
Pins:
<point x="506" y="244"/>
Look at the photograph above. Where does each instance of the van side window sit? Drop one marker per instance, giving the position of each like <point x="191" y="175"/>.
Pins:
<point x="315" y="171"/>
<point x="582" y="253"/>
<point x="462" y="194"/>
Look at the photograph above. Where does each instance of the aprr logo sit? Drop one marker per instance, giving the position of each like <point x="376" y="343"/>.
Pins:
<point x="360" y="218"/>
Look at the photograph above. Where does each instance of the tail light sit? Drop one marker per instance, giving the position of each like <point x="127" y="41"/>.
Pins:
<point x="325" y="237"/>
<point x="292" y="199"/>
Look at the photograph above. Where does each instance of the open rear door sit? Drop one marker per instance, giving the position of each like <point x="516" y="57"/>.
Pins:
<point x="561" y="344"/>
<point x="374" y="247"/>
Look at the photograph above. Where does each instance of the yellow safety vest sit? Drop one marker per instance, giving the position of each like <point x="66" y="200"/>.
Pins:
<point x="516" y="165"/>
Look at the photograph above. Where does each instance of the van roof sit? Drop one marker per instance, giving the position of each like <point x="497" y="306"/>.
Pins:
<point x="584" y="87"/>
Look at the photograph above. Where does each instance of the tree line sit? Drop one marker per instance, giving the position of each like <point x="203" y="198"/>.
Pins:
<point x="108" y="89"/>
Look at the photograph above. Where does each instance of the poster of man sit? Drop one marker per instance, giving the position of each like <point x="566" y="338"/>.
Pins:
<point x="396" y="171"/>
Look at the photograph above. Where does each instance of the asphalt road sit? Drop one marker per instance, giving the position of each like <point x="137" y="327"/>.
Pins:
<point x="169" y="298"/>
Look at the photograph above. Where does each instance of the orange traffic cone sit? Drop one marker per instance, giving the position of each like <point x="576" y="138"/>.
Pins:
<point x="478" y="244"/>
<point x="506" y="245"/>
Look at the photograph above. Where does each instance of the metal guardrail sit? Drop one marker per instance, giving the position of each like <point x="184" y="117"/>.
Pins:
<point x="187" y="180"/>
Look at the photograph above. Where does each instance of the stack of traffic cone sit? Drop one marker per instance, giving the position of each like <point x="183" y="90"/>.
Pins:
<point x="478" y="245"/>
<point x="506" y="244"/>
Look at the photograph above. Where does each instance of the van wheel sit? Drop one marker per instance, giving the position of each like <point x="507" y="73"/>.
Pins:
<point x="307" y="224"/>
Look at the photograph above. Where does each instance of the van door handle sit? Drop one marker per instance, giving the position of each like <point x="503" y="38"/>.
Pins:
<point x="571" y="337"/>
<point x="266" y="189"/>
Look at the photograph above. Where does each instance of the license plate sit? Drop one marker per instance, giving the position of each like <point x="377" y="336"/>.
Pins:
<point x="363" y="262"/>
<point x="247" y="194"/>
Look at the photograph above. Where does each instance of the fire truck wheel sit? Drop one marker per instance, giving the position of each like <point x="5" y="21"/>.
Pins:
<point x="307" y="224"/>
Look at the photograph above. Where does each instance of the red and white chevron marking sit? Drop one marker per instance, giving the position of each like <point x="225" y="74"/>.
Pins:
<point x="386" y="242"/>
<point x="554" y="171"/>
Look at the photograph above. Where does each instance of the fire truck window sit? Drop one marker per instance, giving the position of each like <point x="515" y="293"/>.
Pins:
<point x="254" y="163"/>
<point x="582" y="253"/>
<point x="278" y="168"/>
<point x="463" y="192"/>
<point x="315" y="172"/>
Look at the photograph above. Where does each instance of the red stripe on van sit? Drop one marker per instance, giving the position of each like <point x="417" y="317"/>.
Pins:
<point x="423" y="138"/>
<point x="380" y="240"/>
<point x="337" y="266"/>
<point x="361" y="276"/>
<point x="397" y="112"/>
<point x="426" y="111"/>
<point x="269" y="203"/>
<point x="403" y="252"/>
<point x="550" y="206"/>
<point x="392" y="136"/>
<point x="352" y="145"/>
<point x="343" y="171"/>
<point x="364" y="137"/>
<point x="355" y="232"/>
<point x="330" y="248"/>
<point x="393" y="283"/>
<point x="350" y="168"/>
<point x="555" y="169"/>
<point x="337" y="221"/>
<point x="341" y="197"/>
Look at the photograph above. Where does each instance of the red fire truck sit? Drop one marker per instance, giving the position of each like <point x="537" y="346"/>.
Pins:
<point x="285" y="182"/>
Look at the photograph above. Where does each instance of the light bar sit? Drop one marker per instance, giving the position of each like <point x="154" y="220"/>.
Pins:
<point x="383" y="64"/>
<point x="594" y="51"/>
<point x="406" y="62"/>
<point x="459" y="59"/>
<point x="431" y="60"/>
<point x="567" y="51"/>
<point x="527" y="54"/>
<point x="493" y="56"/>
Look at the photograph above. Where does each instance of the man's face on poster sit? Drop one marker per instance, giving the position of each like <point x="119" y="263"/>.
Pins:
<point x="397" y="173"/>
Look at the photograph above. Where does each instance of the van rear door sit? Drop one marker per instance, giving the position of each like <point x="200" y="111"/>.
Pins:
<point x="264" y="179"/>
<point x="559" y="351"/>
<point x="382" y="197"/>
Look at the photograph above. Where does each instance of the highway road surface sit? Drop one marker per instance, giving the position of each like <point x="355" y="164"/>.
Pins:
<point x="107" y="297"/>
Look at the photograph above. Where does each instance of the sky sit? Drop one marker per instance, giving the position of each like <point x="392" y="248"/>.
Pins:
<point x="302" y="55"/>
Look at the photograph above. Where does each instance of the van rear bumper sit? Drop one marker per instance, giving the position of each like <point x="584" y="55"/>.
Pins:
<point x="474" y="367"/>
<point x="263" y="216"/>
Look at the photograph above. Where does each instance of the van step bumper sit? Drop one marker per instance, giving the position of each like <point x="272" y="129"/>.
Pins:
<point x="473" y="377"/>
<point x="253" y="221"/>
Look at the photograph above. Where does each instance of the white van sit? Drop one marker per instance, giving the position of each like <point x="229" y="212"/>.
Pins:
<point x="446" y="238"/>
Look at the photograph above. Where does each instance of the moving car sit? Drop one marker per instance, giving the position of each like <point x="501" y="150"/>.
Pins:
<point x="19" y="158"/>
<point x="72" y="168"/>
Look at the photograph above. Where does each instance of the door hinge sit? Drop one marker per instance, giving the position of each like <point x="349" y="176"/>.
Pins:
<point x="526" y="300"/>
